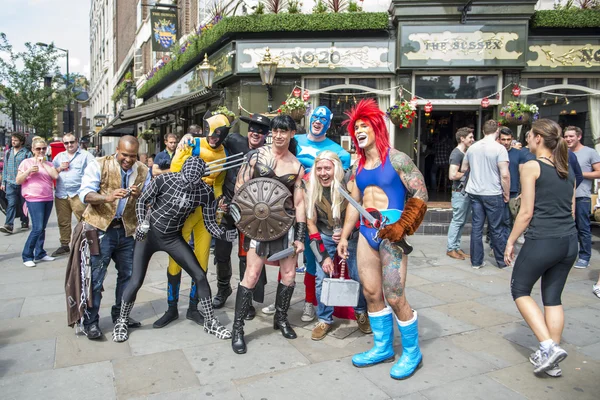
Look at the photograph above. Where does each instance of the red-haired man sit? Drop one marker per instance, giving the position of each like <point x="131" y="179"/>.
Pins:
<point x="384" y="178"/>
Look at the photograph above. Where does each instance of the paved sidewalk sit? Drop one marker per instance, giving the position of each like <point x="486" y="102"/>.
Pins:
<point x="474" y="342"/>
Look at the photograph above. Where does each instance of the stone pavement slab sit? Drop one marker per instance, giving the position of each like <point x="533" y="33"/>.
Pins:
<point x="37" y="355"/>
<point x="152" y="374"/>
<point x="11" y="308"/>
<point x="475" y="387"/>
<point x="77" y="350"/>
<point x="475" y="313"/>
<point x="93" y="380"/>
<point x="433" y="324"/>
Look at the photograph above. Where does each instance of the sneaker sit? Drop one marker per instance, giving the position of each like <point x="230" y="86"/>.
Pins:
<point x="301" y="269"/>
<point x="320" y="331"/>
<point x="6" y="229"/>
<point x="29" y="264"/>
<point x="596" y="290"/>
<point x="25" y="225"/>
<point x="308" y="313"/>
<point x="61" y="250"/>
<point x="478" y="266"/>
<point x="554" y="371"/>
<point x="555" y="355"/>
<point x="582" y="264"/>
<point x="47" y="258"/>
<point x="269" y="310"/>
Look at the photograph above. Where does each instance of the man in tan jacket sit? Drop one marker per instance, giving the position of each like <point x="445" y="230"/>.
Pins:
<point x="110" y="187"/>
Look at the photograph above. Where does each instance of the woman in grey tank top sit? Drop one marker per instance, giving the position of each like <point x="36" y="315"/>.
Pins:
<point x="550" y="248"/>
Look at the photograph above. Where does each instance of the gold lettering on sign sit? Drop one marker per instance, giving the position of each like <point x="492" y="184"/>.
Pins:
<point x="449" y="46"/>
<point x="555" y="55"/>
<point x="363" y="57"/>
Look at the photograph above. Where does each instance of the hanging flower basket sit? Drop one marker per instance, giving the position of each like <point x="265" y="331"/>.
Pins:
<point x="515" y="113"/>
<point x="225" y="111"/>
<point x="294" y="107"/>
<point x="148" y="135"/>
<point x="401" y="114"/>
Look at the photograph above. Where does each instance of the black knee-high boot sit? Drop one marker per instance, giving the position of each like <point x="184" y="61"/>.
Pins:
<point x="173" y="282"/>
<point x="282" y="305"/>
<point x="251" y="310"/>
<point x="192" y="313"/>
<point x="121" y="330"/>
<point x="243" y="302"/>
<point x="223" y="284"/>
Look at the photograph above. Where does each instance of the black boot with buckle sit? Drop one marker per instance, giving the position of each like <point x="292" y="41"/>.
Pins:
<point x="243" y="301"/>
<point x="282" y="305"/>
<point x="223" y="285"/>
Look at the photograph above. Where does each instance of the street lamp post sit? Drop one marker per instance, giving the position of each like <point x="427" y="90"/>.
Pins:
<point x="206" y="72"/>
<point x="267" y="69"/>
<point x="69" y="102"/>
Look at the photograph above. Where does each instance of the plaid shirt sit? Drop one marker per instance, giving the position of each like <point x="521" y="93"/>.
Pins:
<point x="442" y="152"/>
<point x="11" y="165"/>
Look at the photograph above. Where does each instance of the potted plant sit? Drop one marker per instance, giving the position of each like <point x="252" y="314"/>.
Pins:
<point x="516" y="113"/>
<point x="148" y="135"/>
<point x="295" y="107"/>
<point x="225" y="111"/>
<point x="401" y="114"/>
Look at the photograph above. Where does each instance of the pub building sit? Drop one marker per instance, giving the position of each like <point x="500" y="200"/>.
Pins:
<point x="461" y="65"/>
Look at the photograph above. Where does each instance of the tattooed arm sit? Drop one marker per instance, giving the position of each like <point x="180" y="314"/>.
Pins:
<point x="409" y="174"/>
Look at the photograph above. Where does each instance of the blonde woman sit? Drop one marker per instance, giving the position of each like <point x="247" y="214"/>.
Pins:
<point x="326" y="208"/>
<point x="36" y="179"/>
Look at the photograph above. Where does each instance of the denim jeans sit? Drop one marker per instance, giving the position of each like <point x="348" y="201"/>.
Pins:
<point x="325" y="313"/>
<point x="14" y="205"/>
<point x="583" y="208"/>
<point x="34" y="246"/>
<point x="461" y="207"/>
<point x="494" y="208"/>
<point x="118" y="247"/>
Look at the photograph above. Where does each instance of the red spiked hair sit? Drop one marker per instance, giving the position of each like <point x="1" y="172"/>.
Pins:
<point x="368" y="110"/>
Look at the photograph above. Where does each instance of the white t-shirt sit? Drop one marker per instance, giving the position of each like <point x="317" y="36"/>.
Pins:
<point x="484" y="175"/>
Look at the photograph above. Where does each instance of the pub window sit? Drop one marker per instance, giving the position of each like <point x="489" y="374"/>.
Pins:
<point x="455" y="86"/>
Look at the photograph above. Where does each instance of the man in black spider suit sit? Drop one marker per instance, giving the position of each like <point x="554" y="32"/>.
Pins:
<point x="171" y="198"/>
<point x="258" y="129"/>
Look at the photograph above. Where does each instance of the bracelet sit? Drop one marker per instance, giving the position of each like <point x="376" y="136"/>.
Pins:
<point x="300" y="233"/>
<point x="317" y="247"/>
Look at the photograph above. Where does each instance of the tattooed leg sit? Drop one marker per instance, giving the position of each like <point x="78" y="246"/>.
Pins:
<point x="369" y="272"/>
<point x="394" y="265"/>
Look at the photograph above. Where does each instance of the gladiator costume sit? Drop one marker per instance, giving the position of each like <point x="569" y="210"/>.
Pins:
<point x="171" y="198"/>
<point x="237" y="144"/>
<point x="281" y="187"/>
<point x="214" y="126"/>
<point x="398" y="220"/>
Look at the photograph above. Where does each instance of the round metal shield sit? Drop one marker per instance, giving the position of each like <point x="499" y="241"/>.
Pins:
<point x="261" y="202"/>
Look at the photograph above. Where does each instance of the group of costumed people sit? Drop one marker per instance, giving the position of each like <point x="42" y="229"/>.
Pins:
<point x="312" y="202"/>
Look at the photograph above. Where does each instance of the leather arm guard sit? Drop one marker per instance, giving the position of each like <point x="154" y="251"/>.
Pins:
<point x="317" y="247"/>
<point x="300" y="232"/>
<point x="412" y="216"/>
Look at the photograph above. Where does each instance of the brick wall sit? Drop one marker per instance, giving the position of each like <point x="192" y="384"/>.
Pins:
<point x="125" y="25"/>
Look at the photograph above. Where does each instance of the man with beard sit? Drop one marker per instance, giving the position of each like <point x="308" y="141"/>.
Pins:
<point x="210" y="149"/>
<point x="258" y="129"/>
<point x="309" y="145"/>
<point x="384" y="177"/>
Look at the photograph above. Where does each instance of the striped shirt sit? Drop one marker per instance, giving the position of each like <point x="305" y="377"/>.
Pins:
<point x="11" y="165"/>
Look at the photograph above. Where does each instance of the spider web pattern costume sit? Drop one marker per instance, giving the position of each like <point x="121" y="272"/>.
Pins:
<point x="173" y="196"/>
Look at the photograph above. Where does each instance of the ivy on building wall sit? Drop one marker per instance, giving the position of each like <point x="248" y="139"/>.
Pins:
<point x="570" y="18"/>
<point x="265" y="23"/>
<point x="121" y="87"/>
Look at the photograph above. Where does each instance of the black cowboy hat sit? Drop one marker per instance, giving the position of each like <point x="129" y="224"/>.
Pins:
<point x="257" y="123"/>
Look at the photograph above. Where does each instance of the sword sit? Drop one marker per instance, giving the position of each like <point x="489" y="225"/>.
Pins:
<point x="403" y="244"/>
<point x="280" y="255"/>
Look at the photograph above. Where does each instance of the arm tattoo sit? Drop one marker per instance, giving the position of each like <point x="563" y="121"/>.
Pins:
<point x="410" y="175"/>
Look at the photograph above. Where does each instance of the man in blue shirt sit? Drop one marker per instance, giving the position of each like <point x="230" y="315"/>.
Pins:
<point x="14" y="157"/>
<point x="70" y="165"/>
<point x="162" y="161"/>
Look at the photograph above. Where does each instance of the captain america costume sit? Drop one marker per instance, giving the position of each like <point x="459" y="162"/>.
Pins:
<point x="308" y="150"/>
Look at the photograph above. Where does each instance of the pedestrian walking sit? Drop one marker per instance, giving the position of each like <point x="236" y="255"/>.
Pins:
<point x="35" y="177"/>
<point x="110" y="186"/>
<point x="550" y="248"/>
<point x="70" y="165"/>
<point x="14" y="201"/>
<point x="589" y="161"/>
<point x="488" y="188"/>
<point x="461" y="205"/>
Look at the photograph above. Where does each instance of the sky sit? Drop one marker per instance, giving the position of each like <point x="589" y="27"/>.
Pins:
<point x="64" y="22"/>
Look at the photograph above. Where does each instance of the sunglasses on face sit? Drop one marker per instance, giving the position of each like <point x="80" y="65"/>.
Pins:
<point x="40" y="148"/>
<point x="70" y="142"/>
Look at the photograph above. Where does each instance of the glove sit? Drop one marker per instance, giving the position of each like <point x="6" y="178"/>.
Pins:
<point x="164" y="165"/>
<point x="231" y="235"/>
<point x="140" y="233"/>
<point x="412" y="216"/>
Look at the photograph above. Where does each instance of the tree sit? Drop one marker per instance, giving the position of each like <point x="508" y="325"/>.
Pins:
<point x="31" y="81"/>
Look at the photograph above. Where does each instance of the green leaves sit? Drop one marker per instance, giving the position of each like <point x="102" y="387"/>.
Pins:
<point x="566" y="18"/>
<point x="281" y="22"/>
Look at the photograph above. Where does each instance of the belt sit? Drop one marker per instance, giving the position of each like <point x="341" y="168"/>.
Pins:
<point x="116" y="223"/>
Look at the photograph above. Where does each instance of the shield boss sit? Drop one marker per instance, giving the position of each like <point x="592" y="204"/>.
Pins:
<point x="264" y="216"/>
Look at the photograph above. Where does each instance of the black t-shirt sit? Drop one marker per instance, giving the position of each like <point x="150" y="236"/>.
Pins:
<point x="456" y="158"/>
